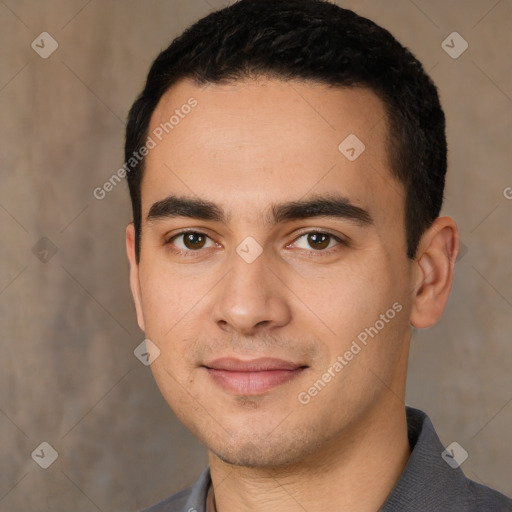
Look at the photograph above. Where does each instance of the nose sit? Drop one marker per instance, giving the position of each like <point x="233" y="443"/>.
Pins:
<point x="251" y="298"/>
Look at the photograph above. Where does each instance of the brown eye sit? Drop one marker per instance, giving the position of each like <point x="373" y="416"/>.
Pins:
<point x="190" y="242"/>
<point x="194" y="240"/>
<point x="319" y="241"/>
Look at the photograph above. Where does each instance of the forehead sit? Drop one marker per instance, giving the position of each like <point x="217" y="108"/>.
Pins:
<point x="253" y="142"/>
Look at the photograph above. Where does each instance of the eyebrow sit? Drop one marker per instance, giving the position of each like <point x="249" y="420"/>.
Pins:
<point x="318" y="206"/>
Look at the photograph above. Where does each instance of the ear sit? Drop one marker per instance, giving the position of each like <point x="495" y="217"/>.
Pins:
<point x="434" y="269"/>
<point x="134" y="274"/>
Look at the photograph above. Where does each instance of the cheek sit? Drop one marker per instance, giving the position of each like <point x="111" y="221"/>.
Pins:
<point x="363" y="303"/>
<point x="165" y="300"/>
<point x="171" y="308"/>
<point x="352" y="296"/>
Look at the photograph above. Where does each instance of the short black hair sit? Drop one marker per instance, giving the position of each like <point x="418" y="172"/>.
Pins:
<point x="310" y="40"/>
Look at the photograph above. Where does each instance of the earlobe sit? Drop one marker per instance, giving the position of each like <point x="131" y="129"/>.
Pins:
<point x="435" y="265"/>
<point x="134" y="274"/>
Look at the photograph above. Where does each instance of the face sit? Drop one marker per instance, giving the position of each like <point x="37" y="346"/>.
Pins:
<point x="273" y="275"/>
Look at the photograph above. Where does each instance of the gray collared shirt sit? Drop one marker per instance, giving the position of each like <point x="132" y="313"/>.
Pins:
<point x="427" y="484"/>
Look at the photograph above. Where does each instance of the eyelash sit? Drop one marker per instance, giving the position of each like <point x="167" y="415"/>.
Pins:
<point x="312" y="253"/>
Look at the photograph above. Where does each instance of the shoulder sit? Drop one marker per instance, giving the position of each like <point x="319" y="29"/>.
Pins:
<point x="485" y="498"/>
<point x="432" y="482"/>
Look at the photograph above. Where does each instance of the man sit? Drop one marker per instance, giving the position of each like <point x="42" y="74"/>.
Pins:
<point x="286" y="164"/>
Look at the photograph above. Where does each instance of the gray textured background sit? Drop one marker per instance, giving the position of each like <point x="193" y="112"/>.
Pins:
<point x="68" y="373"/>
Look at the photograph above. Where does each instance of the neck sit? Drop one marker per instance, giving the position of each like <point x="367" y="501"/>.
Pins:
<point x="355" y="472"/>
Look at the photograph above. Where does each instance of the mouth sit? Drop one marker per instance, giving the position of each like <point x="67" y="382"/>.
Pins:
<point x="252" y="377"/>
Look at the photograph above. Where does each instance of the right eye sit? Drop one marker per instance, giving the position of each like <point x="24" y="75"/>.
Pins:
<point x="190" y="241"/>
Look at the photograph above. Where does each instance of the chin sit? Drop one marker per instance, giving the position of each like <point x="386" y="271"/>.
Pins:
<point x="261" y="454"/>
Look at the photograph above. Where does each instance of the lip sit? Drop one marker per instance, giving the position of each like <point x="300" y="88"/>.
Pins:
<point x="253" y="365"/>
<point x="252" y="377"/>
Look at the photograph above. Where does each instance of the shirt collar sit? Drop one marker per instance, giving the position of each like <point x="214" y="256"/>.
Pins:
<point x="427" y="482"/>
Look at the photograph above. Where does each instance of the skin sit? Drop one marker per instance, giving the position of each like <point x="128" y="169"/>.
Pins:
<point x="246" y="146"/>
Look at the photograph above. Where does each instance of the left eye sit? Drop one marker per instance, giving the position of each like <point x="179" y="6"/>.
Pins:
<point x="317" y="241"/>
